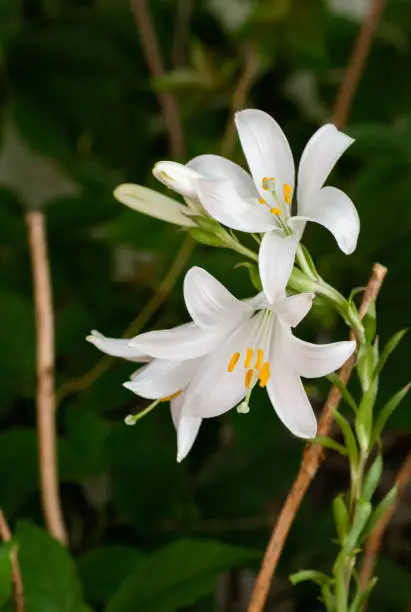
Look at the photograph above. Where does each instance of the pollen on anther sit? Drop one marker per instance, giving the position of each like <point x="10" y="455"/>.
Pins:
<point x="275" y="211"/>
<point x="262" y="201"/>
<point x="264" y="182"/>
<point x="233" y="362"/>
<point x="264" y="374"/>
<point x="260" y="357"/>
<point x="248" y="378"/>
<point x="170" y="397"/>
<point x="287" y="193"/>
<point x="248" y="358"/>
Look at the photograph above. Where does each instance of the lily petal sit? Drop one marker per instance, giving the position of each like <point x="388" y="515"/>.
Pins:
<point x="187" y="427"/>
<point x="213" y="389"/>
<point x="291" y="403"/>
<point x="287" y="393"/>
<point x="222" y="201"/>
<point x="154" y="204"/>
<point x="275" y="262"/>
<point x="162" y="378"/>
<point x="177" y="177"/>
<point x="117" y="347"/>
<point x="293" y="309"/>
<point x="319" y="157"/>
<point x="180" y="343"/>
<point x="220" y="168"/>
<point x="266" y="148"/>
<point x="334" y="210"/>
<point x="314" y="360"/>
<point x="209" y="302"/>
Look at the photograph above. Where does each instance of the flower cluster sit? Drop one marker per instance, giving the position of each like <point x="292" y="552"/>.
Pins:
<point x="230" y="347"/>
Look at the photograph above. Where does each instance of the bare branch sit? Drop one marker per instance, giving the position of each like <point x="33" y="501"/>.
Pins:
<point x="45" y="364"/>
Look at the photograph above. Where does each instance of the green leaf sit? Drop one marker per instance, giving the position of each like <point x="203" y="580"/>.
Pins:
<point x="49" y="574"/>
<point x="6" y="584"/>
<point x="379" y="511"/>
<point x="370" y="322"/>
<point x="205" y="237"/>
<point x="361" y="516"/>
<point x="328" y="442"/>
<point x="388" y="349"/>
<point x="365" y="415"/>
<point x="372" y="478"/>
<point x="104" y="569"/>
<point x="341" y="518"/>
<point x="337" y="382"/>
<point x="177" y="576"/>
<point x="387" y="411"/>
<point x="253" y="272"/>
<point x="312" y="575"/>
<point x="349" y="437"/>
<point x="362" y="596"/>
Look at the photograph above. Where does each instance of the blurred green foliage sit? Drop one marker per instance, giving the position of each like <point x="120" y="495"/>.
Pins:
<point x="79" y="114"/>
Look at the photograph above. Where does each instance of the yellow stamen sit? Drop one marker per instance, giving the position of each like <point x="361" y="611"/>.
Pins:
<point x="248" y="358"/>
<point x="264" y="182"/>
<point x="233" y="361"/>
<point x="248" y="378"/>
<point x="287" y="193"/>
<point x="260" y="357"/>
<point x="264" y="374"/>
<point x="275" y="211"/>
<point x="262" y="201"/>
<point x="170" y="397"/>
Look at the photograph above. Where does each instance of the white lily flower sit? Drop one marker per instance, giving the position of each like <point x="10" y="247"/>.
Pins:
<point x="237" y="344"/>
<point x="263" y="202"/>
<point x="159" y="380"/>
<point x="154" y="204"/>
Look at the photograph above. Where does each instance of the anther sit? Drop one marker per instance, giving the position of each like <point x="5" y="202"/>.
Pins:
<point x="170" y="397"/>
<point x="275" y="211"/>
<point x="248" y="358"/>
<point x="260" y="357"/>
<point x="262" y="201"/>
<point x="233" y="361"/>
<point x="264" y="374"/>
<point x="287" y="193"/>
<point x="248" y="378"/>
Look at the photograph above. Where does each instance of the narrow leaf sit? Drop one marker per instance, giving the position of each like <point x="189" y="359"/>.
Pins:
<point x="312" y="575"/>
<point x="346" y="395"/>
<point x="388" y="349"/>
<point x="387" y="411"/>
<point x="372" y="478"/>
<point x="328" y="442"/>
<point x="341" y="518"/>
<point x="349" y="437"/>
<point x="379" y="511"/>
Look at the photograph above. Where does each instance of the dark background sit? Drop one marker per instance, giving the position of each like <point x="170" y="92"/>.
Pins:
<point x="80" y="114"/>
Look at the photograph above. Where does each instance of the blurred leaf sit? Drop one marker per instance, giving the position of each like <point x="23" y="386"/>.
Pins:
<point x="17" y="342"/>
<point x="104" y="569"/>
<point x="49" y="575"/>
<point x="177" y="576"/>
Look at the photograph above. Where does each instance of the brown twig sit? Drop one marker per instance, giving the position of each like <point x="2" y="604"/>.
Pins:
<point x="313" y="456"/>
<point x="374" y="542"/>
<point x="45" y="361"/>
<point x="356" y="64"/>
<point x="152" y="54"/>
<point x="182" y="23"/>
<point x="5" y="534"/>
<point x="239" y="97"/>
